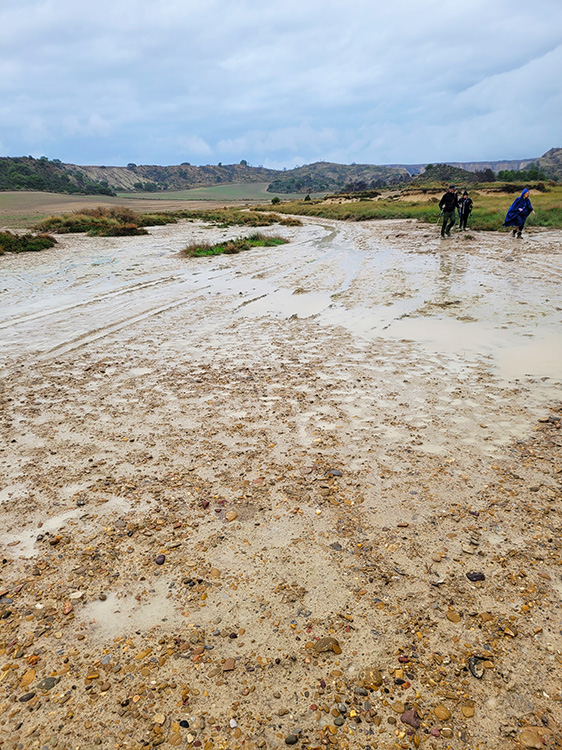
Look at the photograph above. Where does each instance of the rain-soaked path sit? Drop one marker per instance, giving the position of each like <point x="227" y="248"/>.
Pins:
<point x="356" y="412"/>
<point x="484" y="298"/>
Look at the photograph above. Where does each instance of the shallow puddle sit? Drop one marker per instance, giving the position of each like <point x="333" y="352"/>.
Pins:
<point x="122" y="613"/>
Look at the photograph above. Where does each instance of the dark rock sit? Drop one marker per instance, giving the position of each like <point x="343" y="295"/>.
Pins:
<point x="48" y="683"/>
<point x="476" y="576"/>
<point x="160" y="559"/>
<point x="291" y="739"/>
<point x="476" y="667"/>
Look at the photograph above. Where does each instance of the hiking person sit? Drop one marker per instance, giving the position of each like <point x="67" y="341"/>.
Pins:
<point x="518" y="212"/>
<point x="448" y="203"/>
<point x="465" y="209"/>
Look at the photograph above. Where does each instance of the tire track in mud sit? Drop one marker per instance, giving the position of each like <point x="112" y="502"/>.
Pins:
<point x="228" y="281"/>
<point x="96" y="334"/>
<point x="93" y="300"/>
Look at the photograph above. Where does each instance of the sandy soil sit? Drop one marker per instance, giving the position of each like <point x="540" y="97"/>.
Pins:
<point x="306" y="495"/>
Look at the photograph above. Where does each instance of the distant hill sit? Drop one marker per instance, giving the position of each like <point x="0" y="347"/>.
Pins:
<point x="448" y="173"/>
<point x="152" y="178"/>
<point x="551" y="163"/>
<point x="26" y="173"/>
<point x="328" y="177"/>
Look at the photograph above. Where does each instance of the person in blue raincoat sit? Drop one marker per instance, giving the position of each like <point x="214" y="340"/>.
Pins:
<point x="518" y="212"/>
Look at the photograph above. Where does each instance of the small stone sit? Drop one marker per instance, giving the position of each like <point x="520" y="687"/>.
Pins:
<point x="398" y="708"/>
<point x="67" y="608"/>
<point x="476" y="576"/>
<point x="27" y="697"/>
<point x="442" y="712"/>
<point x="102" y="597"/>
<point x="468" y="709"/>
<point x="411" y="718"/>
<point x="447" y="732"/>
<point x="48" y="683"/>
<point x="231" y="515"/>
<point x="476" y="667"/>
<point x="453" y="616"/>
<point x="371" y="678"/>
<point x="291" y="739"/>
<point x="529" y="737"/>
<point x="233" y="723"/>
<point x="27" y="678"/>
<point x="327" y="644"/>
<point x="160" y="559"/>
<point x="229" y="664"/>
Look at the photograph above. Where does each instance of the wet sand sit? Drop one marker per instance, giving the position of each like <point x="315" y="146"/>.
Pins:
<point x="322" y="440"/>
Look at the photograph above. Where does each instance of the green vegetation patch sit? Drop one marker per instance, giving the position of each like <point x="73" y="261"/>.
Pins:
<point x="231" y="247"/>
<point x="27" y="173"/>
<point x="118" y="221"/>
<point x="227" y="217"/>
<point x="489" y="210"/>
<point x="24" y="243"/>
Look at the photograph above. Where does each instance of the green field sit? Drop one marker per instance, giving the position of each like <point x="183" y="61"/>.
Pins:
<point x="488" y="214"/>
<point x="248" y="191"/>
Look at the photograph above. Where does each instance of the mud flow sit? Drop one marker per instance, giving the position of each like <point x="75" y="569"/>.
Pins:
<point x="302" y="495"/>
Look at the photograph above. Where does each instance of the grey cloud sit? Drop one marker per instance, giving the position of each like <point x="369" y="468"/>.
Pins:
<point x="336" y="79"/>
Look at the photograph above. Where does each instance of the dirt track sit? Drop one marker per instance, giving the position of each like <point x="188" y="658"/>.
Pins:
<point x="322" y="440"/>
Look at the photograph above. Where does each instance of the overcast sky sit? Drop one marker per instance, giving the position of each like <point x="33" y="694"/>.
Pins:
<point x="280" y="83"/>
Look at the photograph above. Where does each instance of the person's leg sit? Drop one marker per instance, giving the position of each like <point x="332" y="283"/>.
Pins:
<point x="521" y="224"/>
<point x="444" y="224"/>
<point x="451" y="223"/>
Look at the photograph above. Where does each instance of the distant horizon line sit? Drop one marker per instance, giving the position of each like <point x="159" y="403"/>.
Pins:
<point x="245" y="162"/>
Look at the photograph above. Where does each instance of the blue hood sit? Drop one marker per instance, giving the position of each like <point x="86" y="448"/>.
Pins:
<point x="525" y="190"/>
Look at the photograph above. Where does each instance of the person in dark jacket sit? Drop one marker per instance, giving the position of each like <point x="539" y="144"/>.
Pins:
<point x="518" y="212"/>
<point x="465" y="209"/>
<point x="448" y="204"/>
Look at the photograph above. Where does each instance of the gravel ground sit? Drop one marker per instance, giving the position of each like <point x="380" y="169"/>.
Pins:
<point x="306" y="495"/>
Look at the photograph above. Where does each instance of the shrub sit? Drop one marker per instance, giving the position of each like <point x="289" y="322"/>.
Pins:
<point x="24" y="243"/>
<point x="117" y="221"/>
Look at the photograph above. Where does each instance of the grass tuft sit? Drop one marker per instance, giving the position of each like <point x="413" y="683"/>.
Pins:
<point x="232" y="247"/>
<point x="227" y="217"/>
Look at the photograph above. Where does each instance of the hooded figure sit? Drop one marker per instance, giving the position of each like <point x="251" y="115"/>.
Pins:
<point x="518" y="212"/>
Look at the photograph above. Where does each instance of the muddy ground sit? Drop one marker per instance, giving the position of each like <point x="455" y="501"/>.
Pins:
<point x="307" y="495"/>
